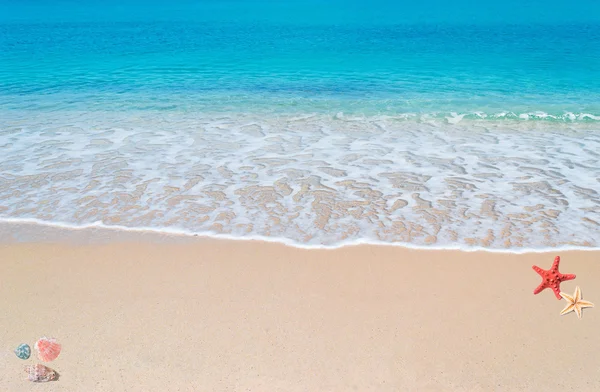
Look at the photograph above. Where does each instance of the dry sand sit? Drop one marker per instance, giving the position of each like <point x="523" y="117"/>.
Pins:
<point x="212" y="315"/>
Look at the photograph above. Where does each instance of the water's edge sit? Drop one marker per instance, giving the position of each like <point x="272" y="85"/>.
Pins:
<point x="35" y="231"/>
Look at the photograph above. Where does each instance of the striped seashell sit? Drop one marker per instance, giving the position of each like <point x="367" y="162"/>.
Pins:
<point x="47" y="349"/>
<point x="40" y="373"/>
<point x="23" y="351"/>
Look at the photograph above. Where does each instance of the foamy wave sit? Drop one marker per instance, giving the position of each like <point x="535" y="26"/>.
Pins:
<point x="14" y="224"/>
<point x="454" y="117"/>
<point x="311" y="179"/>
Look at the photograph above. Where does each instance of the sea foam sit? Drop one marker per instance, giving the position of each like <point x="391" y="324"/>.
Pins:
<point x="309" y="179"/>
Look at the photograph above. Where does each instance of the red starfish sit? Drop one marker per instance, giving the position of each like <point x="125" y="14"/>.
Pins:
<point x="551" y="278"/>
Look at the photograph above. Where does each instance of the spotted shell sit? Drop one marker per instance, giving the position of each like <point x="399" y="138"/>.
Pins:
<point x="40" y="373"/>
<point x="47" y="349"/>
<point x="23" y="351"/>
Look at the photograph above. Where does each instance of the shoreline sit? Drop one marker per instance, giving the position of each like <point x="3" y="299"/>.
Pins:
<point x="33" y="230"/>
<point x="426" y="183"/>
<point x="240" y="315"/>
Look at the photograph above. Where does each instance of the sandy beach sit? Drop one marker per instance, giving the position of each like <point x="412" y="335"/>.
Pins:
<point x="138" y="314"/>
<point x="299" y="195"/>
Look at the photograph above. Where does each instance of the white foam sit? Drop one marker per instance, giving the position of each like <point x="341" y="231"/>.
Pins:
<point x="585" y="116"/>
<point x="311" y="180"/>
<point x="289" y="242"/>
<point x="455" y="118"/>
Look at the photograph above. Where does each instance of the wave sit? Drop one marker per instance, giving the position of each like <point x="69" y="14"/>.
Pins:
<point x="281" y="240"/>
<point x="310" y="178"/>
<point x="15" y="106"/>
<point x="454" y="117"/>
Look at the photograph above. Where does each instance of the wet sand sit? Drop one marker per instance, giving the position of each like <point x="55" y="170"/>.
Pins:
<point x="213" y="315"/>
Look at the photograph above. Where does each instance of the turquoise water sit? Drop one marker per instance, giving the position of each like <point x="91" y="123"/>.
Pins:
<point x="441" y="110"/>
<point x="213" y="56"/>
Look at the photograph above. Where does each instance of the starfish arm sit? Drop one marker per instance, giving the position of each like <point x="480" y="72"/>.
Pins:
<point x="556" y="262"/>
<point x="564" y="277"/>
<point x="567" y="309"/>
<point x="577" y="294"/>
<point x="585" y="304"/>
<point x="577" y="310"/>
<point x="567" y="297"/>
<point x="556" y="292"/>
<point x="538" y="270"/>
<point x="539" y="289"/>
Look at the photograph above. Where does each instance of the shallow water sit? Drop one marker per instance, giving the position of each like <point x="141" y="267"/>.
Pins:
<point x="312" y="179"/>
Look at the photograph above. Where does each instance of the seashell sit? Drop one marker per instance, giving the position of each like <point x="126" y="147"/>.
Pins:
<point x="47" y="349"/>
<point x="40" y="373"/>
<point x="23" y="351"/>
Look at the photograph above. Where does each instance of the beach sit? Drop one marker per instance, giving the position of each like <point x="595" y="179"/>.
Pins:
<point x="170" y="313"/>
<point x="299" y="196"/>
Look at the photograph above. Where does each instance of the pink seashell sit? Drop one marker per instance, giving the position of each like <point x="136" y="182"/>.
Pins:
<point x="40" y="373"/>
<point x="47" y="349"/>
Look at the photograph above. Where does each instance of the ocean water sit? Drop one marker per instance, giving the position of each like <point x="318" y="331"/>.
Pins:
<point x="315" y="124"/>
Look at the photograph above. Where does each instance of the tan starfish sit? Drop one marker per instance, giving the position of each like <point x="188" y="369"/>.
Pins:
<point x="575" y="303"/>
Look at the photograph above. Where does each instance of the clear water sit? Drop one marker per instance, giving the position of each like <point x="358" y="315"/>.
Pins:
<point x="434" y="124"/>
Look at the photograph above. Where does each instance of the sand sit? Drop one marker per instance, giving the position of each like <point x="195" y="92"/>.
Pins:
<point x="215" y="315"/>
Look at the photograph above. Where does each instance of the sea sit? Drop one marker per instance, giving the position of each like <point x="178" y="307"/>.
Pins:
<point x="463" y="125"/>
